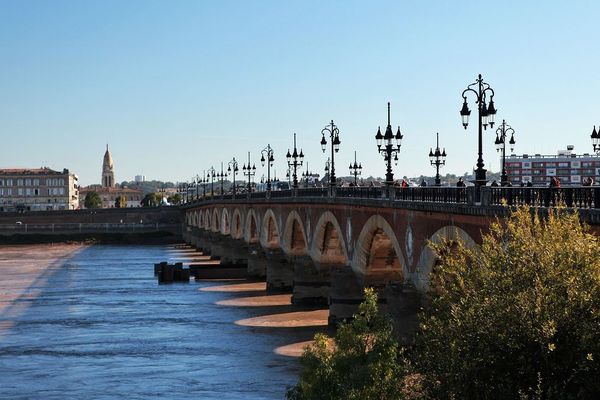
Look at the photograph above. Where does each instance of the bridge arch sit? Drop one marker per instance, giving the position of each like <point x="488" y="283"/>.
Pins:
<point x="200" y="214"/>
<point x="269" y="232"/>
<point x="216" y="220"/>
<point x="378" y="257"/>
<point x="428" y="258"/>
<point x="293" y="241"/>
<point x="251" y="231"/>
<point x="237" y="229"/>
<point x="328" y="245"/>
<point x="225" y="224"/>
<point x="207" y="223"/>
<point x="195" y="218"/>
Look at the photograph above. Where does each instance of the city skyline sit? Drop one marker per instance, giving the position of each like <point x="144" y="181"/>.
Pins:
<point x="178" y="87"/>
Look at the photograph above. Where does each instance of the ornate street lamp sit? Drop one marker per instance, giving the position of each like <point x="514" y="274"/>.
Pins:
<point x="204" y="182"/>
<point x="501" y="134"/>
<point x="355" y="170"/>
<point x="391" y="148"/>
<point x="268" y="151"/>
<point x="306" y="175"/>
<point x="221" y="177"/>
<point x="486" y="114"/>
<point x="233" y="169"/>
<point x="211" y="174"/>
<point x="294" y="161"/>
<point x="596" y="140"/>
<point x="334" y="134"/>
<point x="249" y="172"/>
<point x="437" y="158"/>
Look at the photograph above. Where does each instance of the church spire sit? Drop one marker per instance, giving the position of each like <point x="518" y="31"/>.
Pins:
<point x="108" y="174"/>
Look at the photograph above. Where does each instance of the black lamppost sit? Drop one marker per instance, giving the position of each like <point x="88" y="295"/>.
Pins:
<point x="204" y="182"/>
<point x="486" y="114"/>
<point x="196" y="182"/>
<point x="233" y="169"/>
<point x="211" y="174"/>
<point x="391" y="148"/>
<point x="596" y="140"/>
<point x="294" y="161"/>
<point x="249" y="172"/>
<point x="334" y="134"/>
<point x="268" y="151"/>
<point x="355" y="169"/>
<point x="501" y="133"/>
<point x="306" y="175"/>
<point x="437" y="158"/>
<point x="221" y="177"/>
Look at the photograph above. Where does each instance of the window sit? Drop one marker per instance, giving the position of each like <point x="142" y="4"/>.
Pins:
<point x="20" y="191"/>
<point x="9" y="182"/>
<point x="537" y="164"/>
<point x="19" y="182"/>
<point x="527" y="165"/>
<point x="575" y="164"/>
<point x="1" y="182"/>
<point x="61" y="182"/>
<point x="61" y="191"/>
<point x="585" y="164"/>
<point x="8" y="192"/>
<point x="36" y="182"/>
<point x="563" y="164"/>
<point x="550" y="164"/>
<point x="27" y="182"/>
<point x="28" y="191"/>
<point x="36" y="192"/>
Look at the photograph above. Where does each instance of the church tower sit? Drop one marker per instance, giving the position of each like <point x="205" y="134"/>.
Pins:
<point x="108" y="173"/>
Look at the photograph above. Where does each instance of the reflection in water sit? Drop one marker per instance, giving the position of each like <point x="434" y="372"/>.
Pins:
<point x="97" y="326"/>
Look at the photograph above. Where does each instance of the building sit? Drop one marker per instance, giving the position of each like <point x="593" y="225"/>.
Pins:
<point x="140" y="178"/>
<point x="567" y="166"/>
<point x="109" y="191"/>
<point x="38" y="189"/>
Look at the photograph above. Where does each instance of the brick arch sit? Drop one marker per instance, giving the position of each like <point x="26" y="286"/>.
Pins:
<point x="251" y="231"/>
<point x="428" y="257"/>
<point x="293" y="241"/>
<point x="207" y="224"/>
<point x="216" y="220"/>
<point x="328" y="245"/>
<point x="269" y="231"/>
<point x="378" y="257"/>
<point x="225" y="222"/>
<point x="237" y="228"/>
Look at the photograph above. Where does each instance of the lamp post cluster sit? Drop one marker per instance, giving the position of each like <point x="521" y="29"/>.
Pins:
<point x="486" y="116"/>
<point x="294" y="161"/>
<point x="437" y="159"/>
<point x="232" y="169"/>
<point x="306" y="175"/>
<point x="249" y="172"/>
<point x="334" y="134"/>
<point x="355" y="169"/>
<point x="501" y="134"/>
<point x="391" y="148"/>
<point x="268" y="151"/>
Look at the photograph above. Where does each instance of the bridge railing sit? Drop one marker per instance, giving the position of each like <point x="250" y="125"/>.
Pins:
<point x="82" y="228"/>
<point x="580" y="197"/>
<point x="432" y="194"/>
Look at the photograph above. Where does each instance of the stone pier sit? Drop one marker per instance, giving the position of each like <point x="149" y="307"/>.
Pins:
<point x="280" y="273"/>
<point x="311" y="282"/>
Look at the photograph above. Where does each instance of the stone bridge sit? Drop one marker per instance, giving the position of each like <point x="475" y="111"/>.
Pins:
<point x="326" y="247"/>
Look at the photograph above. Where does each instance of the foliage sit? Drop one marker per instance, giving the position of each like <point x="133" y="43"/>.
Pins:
<point x="92" y="200"/>
<point x="364" y="363"/>
<point x="174" y="199"/>
<point x="518" y="316"/>
<point x="121" y="201"/>
<point x="151" y="200"/>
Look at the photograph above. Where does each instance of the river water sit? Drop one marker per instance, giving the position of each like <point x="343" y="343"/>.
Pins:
<point x="92" y="323"/>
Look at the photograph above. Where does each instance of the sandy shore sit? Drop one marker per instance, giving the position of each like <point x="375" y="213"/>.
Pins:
<point x="23" y="268"/>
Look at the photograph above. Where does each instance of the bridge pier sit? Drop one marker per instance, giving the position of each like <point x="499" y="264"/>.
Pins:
<point x="257" y="262"/>
<point x="403" y="303"/>
<point x="280" y="272"/>
<point x="311" y="282"/>
<point x="345" y="295"/>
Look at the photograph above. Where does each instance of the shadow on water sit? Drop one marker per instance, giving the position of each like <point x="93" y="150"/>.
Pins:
<point x="101" y="327"/>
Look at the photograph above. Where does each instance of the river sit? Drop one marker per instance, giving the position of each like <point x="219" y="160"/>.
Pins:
<point x="90" y="322"/>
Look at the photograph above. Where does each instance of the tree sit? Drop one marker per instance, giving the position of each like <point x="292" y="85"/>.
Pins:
<point x="92" y="200"/>
<point x="364" y="363"/>
<point x="174" y="199"/>
<point x="121" y="201"/>
<point x="151" y="200"/>
<point x="518" y="316"/>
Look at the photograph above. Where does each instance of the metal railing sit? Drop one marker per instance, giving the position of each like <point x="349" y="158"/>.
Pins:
<point x="580" y="197"/>
<point x="84" y="228"/>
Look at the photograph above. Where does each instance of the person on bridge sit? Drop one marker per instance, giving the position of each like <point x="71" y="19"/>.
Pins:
<point x="460" y="183"/>
<point x="494" y="183"/>
<point x="404" y="183"/>
<point x="423" y="183"/>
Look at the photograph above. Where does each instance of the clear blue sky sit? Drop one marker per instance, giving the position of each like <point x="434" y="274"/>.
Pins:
<point x="177" y="86"/>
